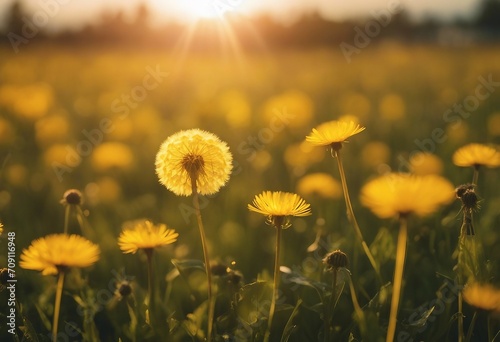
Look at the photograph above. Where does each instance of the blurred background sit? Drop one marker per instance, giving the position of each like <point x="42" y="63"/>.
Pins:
<point x="90" y="89"/>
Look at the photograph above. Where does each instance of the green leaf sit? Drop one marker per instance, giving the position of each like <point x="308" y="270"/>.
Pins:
<point x="28" y="330"/>
<point x="256" y="290"/>
<point x="381" y="297"/>
<point x="189" y="271"/>
<point x="188" y="266"/>
<point x="133" y="321"/>
<point x="45" y="320"/>
<point x="254" y="301"/>
<point x="419" y="323"/>
<point x="309" y="291"/>
<point x="290" y="327"/>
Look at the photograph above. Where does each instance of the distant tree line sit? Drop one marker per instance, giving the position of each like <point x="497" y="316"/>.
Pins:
<point x="309" y="30"/>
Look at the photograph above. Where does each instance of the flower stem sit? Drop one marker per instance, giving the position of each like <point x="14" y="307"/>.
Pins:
<point x="352" y="218"/>
<point x="57" y="305"/>
<point x="355" y="303"/>
<point x="460" y="318"/>
<point x="66" y="218"/>
<point x="275" y="283"/>
<point x="475" y="175"/>
<point x="466" y="226"/>
<point x="398" y="278"/>
<point x="211" y="303"/>
<point x="331" y="306"/>
<point x="80" y="216"/>
<point x="151" y="301"/>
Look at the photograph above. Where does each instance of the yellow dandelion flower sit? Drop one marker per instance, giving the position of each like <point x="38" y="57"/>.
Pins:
<point x="30" y="101"/>
<point x="355" y="103"/>
<point x="392" y="107"/>
<point x="375" y="153"/>
<point x="193" y="155"/>
<point x="399" y="194"/>
<point x="236" y="108"/>
<point x="54" y="253"/>
<point x="321" y="184"/>
<point x="494" y="124"/>
<point x="16" y="175"/>
<point x="423" y="163"/>
<point x="295" y="103"/>
<point x="278" y="205"/>
<point x="61" y="154"/>
<point x="146" y="235"/>
<point x="108" y="190"/>
<point x="51" y="129"/>
<point x="482" y="296"/>
<point x="333" y="133"/>
<point x="476" y="155"/>
<point x="111" y="155"/>
<point x="303" y="154"/>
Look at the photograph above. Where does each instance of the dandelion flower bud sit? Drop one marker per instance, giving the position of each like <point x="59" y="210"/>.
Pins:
<point x="124" y="289"/>
<point x="467" y="194"/>
<point x="335" y="260"/>
<point x="72" y="197"/>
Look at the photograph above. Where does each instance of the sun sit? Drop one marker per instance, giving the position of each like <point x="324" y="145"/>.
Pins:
<point x="204" y="9"/>
<point x="200" y="9"/>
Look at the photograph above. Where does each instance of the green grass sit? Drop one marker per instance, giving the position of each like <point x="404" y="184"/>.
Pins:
<point x="84" y="87"/>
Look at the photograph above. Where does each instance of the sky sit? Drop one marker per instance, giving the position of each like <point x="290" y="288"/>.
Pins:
<point x="76" y="13"/>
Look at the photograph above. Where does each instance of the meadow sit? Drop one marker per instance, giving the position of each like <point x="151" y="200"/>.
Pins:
<point x="94" y="119"/>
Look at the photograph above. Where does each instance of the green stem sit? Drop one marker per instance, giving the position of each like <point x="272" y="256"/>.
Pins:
<point x="275" y="283"/>
<point x="151" y="301"/>
<point x="57" y="305"/>
<point x="398" y="278"/>
<point x="331" y="306"/>
<point x="211" y="303"/>
<point x="80" y="216"/>
<point x="357" y="308"/>
<point x="475" y="175"/>
<point x="460" y="268"/>
<point x="460" y="317"/>
<point x="352" y="218"/>
<point x="66" y="218"/>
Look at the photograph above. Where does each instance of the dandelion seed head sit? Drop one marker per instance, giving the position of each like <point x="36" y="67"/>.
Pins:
<point x="193" y="154"/>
